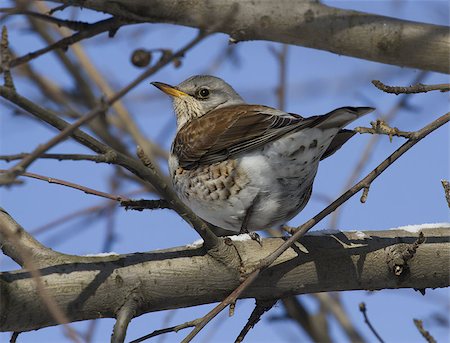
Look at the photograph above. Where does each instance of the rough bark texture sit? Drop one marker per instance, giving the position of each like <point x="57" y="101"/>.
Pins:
<point x="96" y="287"/>
<point x="306" y="23"/>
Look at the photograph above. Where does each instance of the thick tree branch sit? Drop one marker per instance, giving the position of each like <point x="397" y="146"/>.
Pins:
<point x="306" y="23"/>
<point x="94" y="287"/>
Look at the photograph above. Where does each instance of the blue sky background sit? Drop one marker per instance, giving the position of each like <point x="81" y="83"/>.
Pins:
<point x="409" y="192"/>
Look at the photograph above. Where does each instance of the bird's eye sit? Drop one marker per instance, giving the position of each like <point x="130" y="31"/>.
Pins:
<point x="203" y="93"/>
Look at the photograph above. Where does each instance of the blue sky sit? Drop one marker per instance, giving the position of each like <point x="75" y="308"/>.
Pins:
<point x="409" y="192"/>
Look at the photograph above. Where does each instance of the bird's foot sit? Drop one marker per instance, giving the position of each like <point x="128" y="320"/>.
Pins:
<point x="253" y="235"/>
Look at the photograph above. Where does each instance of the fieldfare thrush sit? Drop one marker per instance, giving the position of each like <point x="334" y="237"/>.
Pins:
<point x="247" y="167"/>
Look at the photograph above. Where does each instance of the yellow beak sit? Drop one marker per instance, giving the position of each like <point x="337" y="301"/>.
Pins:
<point x="168" y="89"/>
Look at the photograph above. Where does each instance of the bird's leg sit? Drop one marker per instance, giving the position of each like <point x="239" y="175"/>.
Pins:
<point x="244" y="227"/>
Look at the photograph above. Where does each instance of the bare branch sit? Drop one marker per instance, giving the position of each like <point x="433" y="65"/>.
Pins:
<point x="382" y="128"/>
<point x="60" y="157"/>
<point x="84" y="189"/>
<point x="419" y="325"/>
<point x="296" y="311"/>
<point x="370" y="147"/>
<point x="124" y="316"/>
<point x="167" y="330"/>
<point x="74" y="25"/>
<point x="417" y="88"/>
<point x="446" y="186"/>
<point x="363" y="309"/>
<point x="299" y="270"/>
<point x="6" y="59"/>
<point x="111" y="25"/>
<point x="334" y="306"/>
<point x="308" y="23"/>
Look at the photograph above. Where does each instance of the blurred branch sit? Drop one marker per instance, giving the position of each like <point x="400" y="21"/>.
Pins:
<point x="126" y="121"/>
<point x="309" y="23"/>
<point x="297" y="312"/>
<point x="334" y="307"/>
<point x="418" y="88"/>
<point x="363" y="309"/>
<point x="74" y="25"/>
<point x="281" y="57"/>
<point x="108" y="25"/>
<point x="419" y="325"/>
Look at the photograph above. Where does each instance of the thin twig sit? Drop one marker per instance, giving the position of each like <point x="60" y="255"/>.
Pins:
<point x="363" y="309"/>
<point x="417" y="88"/>
<point x="60" y="157"/>
<point x="80" y="213"/>
<point x="261" y="307"/>
<point x="280" y="90"/>
<point x="167" y="330"/>
<point x="365" y="194"/>
<point x="382" y="128"/>
<point x="84" y="189"/>
<point x="419" y="325"/>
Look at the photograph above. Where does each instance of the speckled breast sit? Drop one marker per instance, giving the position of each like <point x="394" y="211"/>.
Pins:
<point x="218" y="181"/>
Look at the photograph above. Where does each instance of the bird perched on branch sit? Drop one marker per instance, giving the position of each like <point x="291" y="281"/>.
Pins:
<point x="247" y="167"/>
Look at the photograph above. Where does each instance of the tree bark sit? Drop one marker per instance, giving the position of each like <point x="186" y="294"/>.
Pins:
<point x="98" y="286"/>
<point x="306" y="23"/>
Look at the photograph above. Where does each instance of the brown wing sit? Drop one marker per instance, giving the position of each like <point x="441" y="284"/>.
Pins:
<point x="226" y="132"/>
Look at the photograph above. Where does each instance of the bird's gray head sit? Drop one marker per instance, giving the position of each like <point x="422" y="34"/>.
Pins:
<point x="199" y="95"/>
